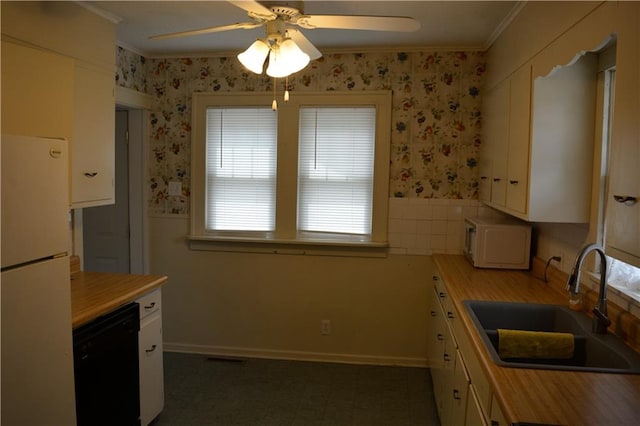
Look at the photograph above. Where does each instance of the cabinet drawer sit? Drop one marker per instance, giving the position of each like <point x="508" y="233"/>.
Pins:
<point x="150" y="303"/>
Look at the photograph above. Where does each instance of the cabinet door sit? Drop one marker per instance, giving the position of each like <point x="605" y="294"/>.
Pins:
<point x="445" y="400"/>
<point x="37" y="92"/>
<point x="623" y="217"/>
<point x="493" y="159"/>
<point x="93" y="148"/>
<point x="519" y="136"/>
<point x="151" y="368"/>
<point x="459" y="393"/>
<point x="474" y="410"/>
<point x="437" y="329"/>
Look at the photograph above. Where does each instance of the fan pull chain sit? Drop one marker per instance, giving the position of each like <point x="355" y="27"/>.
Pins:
<point x="286" y="89"/>
<point x="274" y="104"/>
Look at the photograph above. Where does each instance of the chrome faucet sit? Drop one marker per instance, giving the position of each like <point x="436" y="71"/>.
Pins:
<point x="600" y="319"/>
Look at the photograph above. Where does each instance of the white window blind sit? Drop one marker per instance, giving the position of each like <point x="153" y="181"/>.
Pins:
<point x="335" y="169"/>
<point x="240" y="169"/>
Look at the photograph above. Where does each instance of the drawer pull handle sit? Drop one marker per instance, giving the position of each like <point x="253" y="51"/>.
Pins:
<point x="513" y="182"/>
<point x="442" y="295"/>
<point x="447" y="358"/>
<point x="92" y="174"/>
<point x="435" y="278"/>
<point x="151" y="306"/>
<point x="450" y="315"/>
<point x="497" y="179"/>
<point x="440" y="337"/>
<point x="627" y="200"/>
<point x="456" y="394"/>
<point x="434" y="313"/>
<point x="153" y="348"/>
<point x="483" y="177"/>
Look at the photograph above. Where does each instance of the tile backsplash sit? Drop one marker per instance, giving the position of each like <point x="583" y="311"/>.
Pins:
<point x="423" y="226"/>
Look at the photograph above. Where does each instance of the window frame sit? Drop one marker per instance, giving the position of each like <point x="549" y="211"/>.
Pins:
<point x="286" y="238"/>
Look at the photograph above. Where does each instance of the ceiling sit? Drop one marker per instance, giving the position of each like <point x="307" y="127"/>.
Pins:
<point x="444" y="24"/>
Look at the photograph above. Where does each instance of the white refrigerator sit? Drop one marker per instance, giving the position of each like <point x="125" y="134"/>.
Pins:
<point x="37" y="345"/>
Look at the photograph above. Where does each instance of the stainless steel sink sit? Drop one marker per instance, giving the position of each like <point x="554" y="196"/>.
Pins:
<point x="604" y="353"/>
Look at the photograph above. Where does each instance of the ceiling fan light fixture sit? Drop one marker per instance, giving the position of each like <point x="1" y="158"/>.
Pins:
<point x="253" y="58"/>
<point x="286" y="58"/>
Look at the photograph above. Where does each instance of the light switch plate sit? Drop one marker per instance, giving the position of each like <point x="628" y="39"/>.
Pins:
<point x="175" y="188"/>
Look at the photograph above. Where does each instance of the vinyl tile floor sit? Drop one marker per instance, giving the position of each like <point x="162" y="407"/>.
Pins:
<point x="229" y="392"/>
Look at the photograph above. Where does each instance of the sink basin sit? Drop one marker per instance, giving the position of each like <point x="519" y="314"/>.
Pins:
<point x="604" y="353"/>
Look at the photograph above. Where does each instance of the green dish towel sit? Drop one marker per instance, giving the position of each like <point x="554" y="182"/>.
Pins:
<point x="534" y="344"/>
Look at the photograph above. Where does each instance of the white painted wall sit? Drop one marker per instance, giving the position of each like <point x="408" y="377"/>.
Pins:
<point x="270" y="305"/>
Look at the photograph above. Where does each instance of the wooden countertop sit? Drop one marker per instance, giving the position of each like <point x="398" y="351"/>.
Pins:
<point x="96" y="293"/>
<point x="538" y="396"/>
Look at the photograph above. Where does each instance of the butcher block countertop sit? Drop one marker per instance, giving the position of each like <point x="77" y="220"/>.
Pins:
<point x="546" y="397"/>
<point x="97" y="293"/>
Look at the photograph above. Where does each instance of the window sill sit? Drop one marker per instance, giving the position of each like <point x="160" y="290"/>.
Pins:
<point x="627" y="296"/>
<point x="302" y="247"/>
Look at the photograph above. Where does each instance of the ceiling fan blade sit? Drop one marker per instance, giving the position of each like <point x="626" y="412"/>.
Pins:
<point x="303" y="43"/>
<point x="254" y="9"/>
<point x="352" y="22"/>
<point x="238" y="26"/>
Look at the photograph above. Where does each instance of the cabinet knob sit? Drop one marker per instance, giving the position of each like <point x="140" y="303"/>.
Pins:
<point x="90" y="175"/>
<point x="447" y="358"/>
<point x="440" y="337"/>
<point x="442" y="295"/>
<point x="456" y="394"/>
<point x="627" y="200"/>
<point x="153" y="348"/>
<point x="434" y="313"/>
<point x="450" y="315"/>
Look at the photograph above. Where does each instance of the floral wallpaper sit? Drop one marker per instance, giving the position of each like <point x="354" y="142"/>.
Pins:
<point x="436" y="113"/>
<point x="131" y="70"/>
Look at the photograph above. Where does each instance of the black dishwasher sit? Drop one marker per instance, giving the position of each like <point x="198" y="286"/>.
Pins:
<point x="105" y="358"/>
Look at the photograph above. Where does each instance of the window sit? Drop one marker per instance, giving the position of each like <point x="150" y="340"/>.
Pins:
<point x="311" y="176"/>
<point x="335" y="169"/>
<point x="240" y="169"/>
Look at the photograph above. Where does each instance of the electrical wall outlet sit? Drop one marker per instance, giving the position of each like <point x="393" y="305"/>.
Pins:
<point x="325" y="327"/>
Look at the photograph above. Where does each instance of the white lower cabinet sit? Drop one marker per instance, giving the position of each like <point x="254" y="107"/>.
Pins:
<point x="474" y="410"/>
<point x="459" y="392"/>
<point x="150" y="357"/>
<point x="462" y="392"/>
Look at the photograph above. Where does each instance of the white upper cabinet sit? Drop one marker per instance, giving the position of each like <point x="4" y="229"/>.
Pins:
<point x="539" y="139"/>
<point x="517" y="179"/>
<point x="493" y="157"/>
<point x="63" y="88"/>
<point x="623" y="204"/>
<point x="93" y="155"/>
<point x="505" y="153"/>
<point x="37" y="92"/>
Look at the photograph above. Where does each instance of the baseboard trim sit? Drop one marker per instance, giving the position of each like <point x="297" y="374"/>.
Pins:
<point x="294" y="355"/>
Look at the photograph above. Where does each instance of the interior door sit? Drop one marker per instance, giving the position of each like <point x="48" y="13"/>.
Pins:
<point x="106" y="228"/>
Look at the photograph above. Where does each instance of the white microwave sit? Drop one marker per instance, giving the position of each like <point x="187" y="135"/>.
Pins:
<point x="497" y="243"/>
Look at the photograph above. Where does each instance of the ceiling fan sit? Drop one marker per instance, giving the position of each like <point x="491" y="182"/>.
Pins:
<point x="288" y="49"/>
